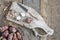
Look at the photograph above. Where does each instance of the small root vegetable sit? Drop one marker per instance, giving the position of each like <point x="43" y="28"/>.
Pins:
<point x="4" y="28"/>
<point x="5" y="34"/>
<point x="12" y="29"/>
<point x="4" y="39"/>
<point x="19" y="36"/>
<point x="28" y="20"/>
<point x="10" y="36"/>
<point x="15" y="37"/>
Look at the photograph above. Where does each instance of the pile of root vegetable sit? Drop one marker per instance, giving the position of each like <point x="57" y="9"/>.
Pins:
<point x="10" y="33"/>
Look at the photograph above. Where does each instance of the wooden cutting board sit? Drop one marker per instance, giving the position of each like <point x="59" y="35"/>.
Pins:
<point x="28" y="34"/>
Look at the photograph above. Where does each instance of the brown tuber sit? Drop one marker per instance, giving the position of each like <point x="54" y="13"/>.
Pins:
<point x="28" y="20"/>
<point x="5" y="34"/>
<point x="12" y="29"/>
<point x="4" y="28"/>
<point x="19" y="35"/>
<point x="10" y="36"/>
<point x="15" y="37"/>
